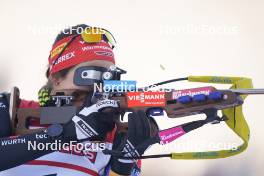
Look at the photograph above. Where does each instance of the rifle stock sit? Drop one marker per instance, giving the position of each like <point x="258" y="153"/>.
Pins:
<point x="172" y="107"/>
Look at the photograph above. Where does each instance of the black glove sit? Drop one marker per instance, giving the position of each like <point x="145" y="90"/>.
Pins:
<point x="142" y="132"/>
<point x="5" y="122"/>
<point x="90" y="123"/>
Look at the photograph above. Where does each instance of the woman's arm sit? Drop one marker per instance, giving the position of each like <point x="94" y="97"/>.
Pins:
<point x="88" y="124"/>
<point x="5" y="122"/>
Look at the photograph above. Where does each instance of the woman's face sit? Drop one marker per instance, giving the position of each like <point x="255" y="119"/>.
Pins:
<point x="67" y="86"/>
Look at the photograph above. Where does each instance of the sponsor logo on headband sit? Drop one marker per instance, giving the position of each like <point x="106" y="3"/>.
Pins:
<point x="65" y="57"/>
<point x="87" y="48"/>
<point x="77" y="53"/>
<point x="104" y="53"/>
<point x="57" y="50"/>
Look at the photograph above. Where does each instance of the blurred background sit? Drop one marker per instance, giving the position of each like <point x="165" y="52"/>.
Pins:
<point x="157" y="40"/>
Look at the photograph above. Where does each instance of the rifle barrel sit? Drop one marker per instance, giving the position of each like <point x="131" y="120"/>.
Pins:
<point x="248" y="91"/>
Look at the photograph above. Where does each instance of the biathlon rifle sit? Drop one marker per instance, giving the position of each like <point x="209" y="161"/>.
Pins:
<point x="177" y="104"/>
